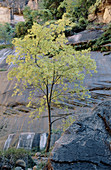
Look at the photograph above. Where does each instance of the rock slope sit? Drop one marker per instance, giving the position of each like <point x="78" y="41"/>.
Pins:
<point x="14" y="115"/>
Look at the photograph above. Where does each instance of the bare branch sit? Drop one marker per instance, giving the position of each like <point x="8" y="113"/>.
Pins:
<point x="63" y="117"/>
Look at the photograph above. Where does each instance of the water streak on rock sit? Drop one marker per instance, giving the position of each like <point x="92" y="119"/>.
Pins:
<point x="8" y="141"/>
<point x="43" y="141"/>
<point x="25" y="140"/>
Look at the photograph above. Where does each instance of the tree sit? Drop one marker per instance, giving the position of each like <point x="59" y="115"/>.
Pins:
<point x="6" y="33"/>
<point x="20" y="29"/>
<point x="30" y="16"/>
<point x="50" y="7"/>
<point x="47" y="64"/>
<point x="76" y="9"/>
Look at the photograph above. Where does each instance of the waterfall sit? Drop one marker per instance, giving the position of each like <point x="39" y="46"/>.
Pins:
<point x="3" y="55"/>
<point x="25" y="140"/>
<point x="28" y="140"/>
<point x="43" y="141"/>
<point x="8" y="141"/>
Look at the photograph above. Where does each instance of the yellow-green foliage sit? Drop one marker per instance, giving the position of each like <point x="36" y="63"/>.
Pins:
<point x="67" y="122"/>
<point x="69" y="5"/>
<point x="93" y="8"/>
<point x="45" y="61"/>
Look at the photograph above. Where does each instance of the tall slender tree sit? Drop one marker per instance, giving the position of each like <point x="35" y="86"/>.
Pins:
<point x="44" y="62"/>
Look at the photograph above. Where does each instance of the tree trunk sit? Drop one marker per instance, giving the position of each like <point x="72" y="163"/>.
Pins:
<point x="49" y="130"/>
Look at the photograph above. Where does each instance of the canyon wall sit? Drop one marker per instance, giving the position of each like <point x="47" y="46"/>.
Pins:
<point x="101" y="13"/>
<point x="11" y="11"/>
<point x="5" y="14"/>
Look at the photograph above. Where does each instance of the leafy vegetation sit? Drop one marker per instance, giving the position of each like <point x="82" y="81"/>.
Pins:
<point x="48" y="62"/>
<point x="21" y="28"/>
<point x="6" y="46"/>
<point x="94" y="7"/>
<point x="104" y="39"/>
<point x="75" y="9"/>
<point x="97" y="44"/>
<point x="10" y="157"/>
<point x="6" y="33"/>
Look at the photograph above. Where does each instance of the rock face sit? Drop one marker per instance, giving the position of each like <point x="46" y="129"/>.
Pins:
<point x="5" y="15"/>
<point x="14" y="115"/>
<point x="33" y="4"/>
<point x="85" y="36"/>
<point x="11" y="10"/>
<point x="102" y="12"/>
<point x="86" y="144"/>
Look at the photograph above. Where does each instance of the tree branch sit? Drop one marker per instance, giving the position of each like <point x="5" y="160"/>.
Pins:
<point x="53" y="82"/>
<point x="63" y="117"/>
<point x="57" y="119"/>
<point x="36" y="62"/>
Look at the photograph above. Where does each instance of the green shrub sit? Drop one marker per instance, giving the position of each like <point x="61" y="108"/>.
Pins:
<point x="12" y="155"/>
<point x="83" y="23"/>
<point x="20" y="29"/>
<point x="6" y="33"/>
<point x="15" y="154"/>
<point x="6" y="46"/>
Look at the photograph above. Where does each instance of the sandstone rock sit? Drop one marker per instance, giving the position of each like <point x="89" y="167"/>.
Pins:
<point x="11" y="11"/>
<point x="86" y="144"/>
<point x="33" y="4"/>
<point x="38" y="154"/>
<point x="35" y="168"/>
<point x="91" y="17"/>
<point x="107" y="14"/>
<point x="4" y="15"/>
<point x="103" y="12"/>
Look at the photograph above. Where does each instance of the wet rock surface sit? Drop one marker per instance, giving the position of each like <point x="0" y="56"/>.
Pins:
<point x="85" y="36"/>
<point x="86" y="144"/>
<point x="14" y="115"/>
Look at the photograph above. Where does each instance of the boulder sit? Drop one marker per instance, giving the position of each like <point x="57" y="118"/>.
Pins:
<point x="35" y="168"/>
<point x="107" y="15"/>
<point x="86" y="144"/>
<point x="6" y="167"/>
<point x="20" y="163"/>
<point x="18" y="168"/>
<point x="100" y="12"/>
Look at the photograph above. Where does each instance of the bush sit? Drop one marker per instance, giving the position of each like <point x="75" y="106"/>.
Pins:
<point x="30" y="16"/>
<point x="83" y="23"/>
<point x="6" y="33"/>
<point x="20" y="29"/>
<point x="12" y="155"/>
<point x="6" y="46"/>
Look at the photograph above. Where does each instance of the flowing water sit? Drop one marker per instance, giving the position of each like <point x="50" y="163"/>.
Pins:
<point x="3" y="55"/>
